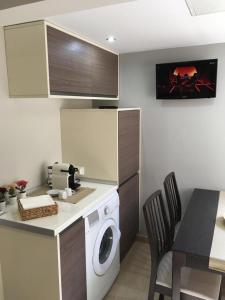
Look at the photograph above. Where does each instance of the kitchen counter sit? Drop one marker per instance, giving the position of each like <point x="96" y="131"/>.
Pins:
<point x="67" y="213"/>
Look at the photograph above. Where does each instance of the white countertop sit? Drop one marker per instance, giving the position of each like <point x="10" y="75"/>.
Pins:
<point x="67" y="213"/>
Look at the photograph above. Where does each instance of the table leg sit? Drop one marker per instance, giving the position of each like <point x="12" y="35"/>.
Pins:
<point x="179" y="260"/>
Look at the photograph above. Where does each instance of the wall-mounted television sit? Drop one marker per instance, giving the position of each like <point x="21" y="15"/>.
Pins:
<point x="186" y="80"/>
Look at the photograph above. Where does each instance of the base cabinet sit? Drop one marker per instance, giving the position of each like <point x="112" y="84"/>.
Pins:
<point x="73" y="265"/>
<point x="43" y="267"/>
<point x="129" y="213"/>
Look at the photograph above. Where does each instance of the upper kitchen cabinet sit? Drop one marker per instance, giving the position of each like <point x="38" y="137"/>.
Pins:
<point x="45" y="61"/>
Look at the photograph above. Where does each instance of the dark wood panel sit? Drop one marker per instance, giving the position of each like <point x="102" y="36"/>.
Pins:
<point x="104" y="72"/>
<point x="128" y="143"/>
<point x="129" y="213"/>
<point x="73" y="266"/>
<point x="79" y="68"/>
<point x="223" y="286"/>
<point x="193" y="238"/>
<point x="69" y="64"/>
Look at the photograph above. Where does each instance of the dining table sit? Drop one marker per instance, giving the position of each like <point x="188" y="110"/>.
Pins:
<point x="200" y="241"/>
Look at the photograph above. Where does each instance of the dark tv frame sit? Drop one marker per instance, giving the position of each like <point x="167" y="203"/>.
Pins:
<point x="184" y="63"/>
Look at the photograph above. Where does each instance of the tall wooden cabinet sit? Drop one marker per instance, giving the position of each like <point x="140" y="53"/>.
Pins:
<point x="46" y="61"/>
<point x="106" y="143"/>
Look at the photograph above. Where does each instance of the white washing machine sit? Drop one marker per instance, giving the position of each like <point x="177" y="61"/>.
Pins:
<point x="102" y="236"/>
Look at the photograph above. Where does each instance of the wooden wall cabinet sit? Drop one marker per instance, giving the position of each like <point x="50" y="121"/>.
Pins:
<point x="46" y="61"/>
<point x="106" y="143"/>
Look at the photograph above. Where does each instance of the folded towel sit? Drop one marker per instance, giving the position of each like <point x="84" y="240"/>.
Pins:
<point x="35" y="202"/>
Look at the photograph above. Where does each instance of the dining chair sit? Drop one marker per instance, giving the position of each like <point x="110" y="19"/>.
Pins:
<point x="173" y="202"/>
<point x="195" y="284"/>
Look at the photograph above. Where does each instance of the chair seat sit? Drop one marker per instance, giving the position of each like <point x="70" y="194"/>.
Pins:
<point x="201" y="284"/>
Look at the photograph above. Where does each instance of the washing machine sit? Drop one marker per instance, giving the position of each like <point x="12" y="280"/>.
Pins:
<point x="102" y="236"/>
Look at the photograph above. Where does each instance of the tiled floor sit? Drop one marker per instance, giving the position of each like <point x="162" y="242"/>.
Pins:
<point x="133" y="280"/>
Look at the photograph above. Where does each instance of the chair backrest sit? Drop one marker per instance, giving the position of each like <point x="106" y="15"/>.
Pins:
<point x="173" y="200"/>
<point x="157" y="226"/>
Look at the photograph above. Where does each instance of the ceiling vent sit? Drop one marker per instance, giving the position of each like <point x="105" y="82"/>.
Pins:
<point x="204" y="7"/>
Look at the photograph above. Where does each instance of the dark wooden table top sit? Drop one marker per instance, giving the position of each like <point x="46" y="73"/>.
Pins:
<point x="196" y="230"/>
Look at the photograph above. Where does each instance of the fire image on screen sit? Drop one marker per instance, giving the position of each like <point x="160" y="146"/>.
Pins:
<point x="186" y="80"/>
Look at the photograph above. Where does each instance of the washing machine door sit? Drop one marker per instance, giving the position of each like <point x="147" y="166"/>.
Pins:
<point x="105" y="247"/>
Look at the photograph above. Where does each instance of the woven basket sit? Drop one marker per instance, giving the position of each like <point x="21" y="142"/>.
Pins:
<point x="39" y="212"/>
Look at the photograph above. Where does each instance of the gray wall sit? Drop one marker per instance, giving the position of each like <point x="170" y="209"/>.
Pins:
<point x="187" y="136"/>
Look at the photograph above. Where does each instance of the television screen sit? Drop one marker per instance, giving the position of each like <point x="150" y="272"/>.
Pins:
<point x="186" y="80"/>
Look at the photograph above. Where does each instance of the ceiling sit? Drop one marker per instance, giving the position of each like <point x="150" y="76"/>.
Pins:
<point x="145" y="24"/>
<point x="13" y="3"/>
<point x="201" y="7"/>
<point x="43" y="9"/>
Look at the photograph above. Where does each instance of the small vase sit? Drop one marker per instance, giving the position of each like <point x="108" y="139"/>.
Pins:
<point x="22" y="195"/>
<point x="12" y="199"/>
<point x="2" y="206"/>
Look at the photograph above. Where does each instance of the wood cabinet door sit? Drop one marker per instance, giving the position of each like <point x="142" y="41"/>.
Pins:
<point x="129" y="213"/>
<point x="104" y="73"/>
<point x="79" y="68"/>
<point x="128" y="143"/>
<point x="73" y="262"/>
<point x="69" y="61"/>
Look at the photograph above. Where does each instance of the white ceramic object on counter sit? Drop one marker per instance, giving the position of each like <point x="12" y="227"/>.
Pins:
<point x="62" y="195"/>
<point x="12" y="199"/>
<point x="53" y="193"/>
<point x="68" y="192"/>
<point x="22" y="195"/>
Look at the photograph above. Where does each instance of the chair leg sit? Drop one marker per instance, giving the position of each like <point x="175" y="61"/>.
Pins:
<point x="222" y="289"/>
<point x="151" y="291"/>
<point x="161" y="297"/>
<point x="220" y="295"/>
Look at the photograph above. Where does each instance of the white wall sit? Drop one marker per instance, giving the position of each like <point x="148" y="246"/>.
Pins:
<point x="29" y="132"/>
<point x="187" y="136"/>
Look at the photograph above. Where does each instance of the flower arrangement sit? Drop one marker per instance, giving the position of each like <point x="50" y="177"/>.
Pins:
<point x="21" y="185"/>
<point x="12" y="189"/>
